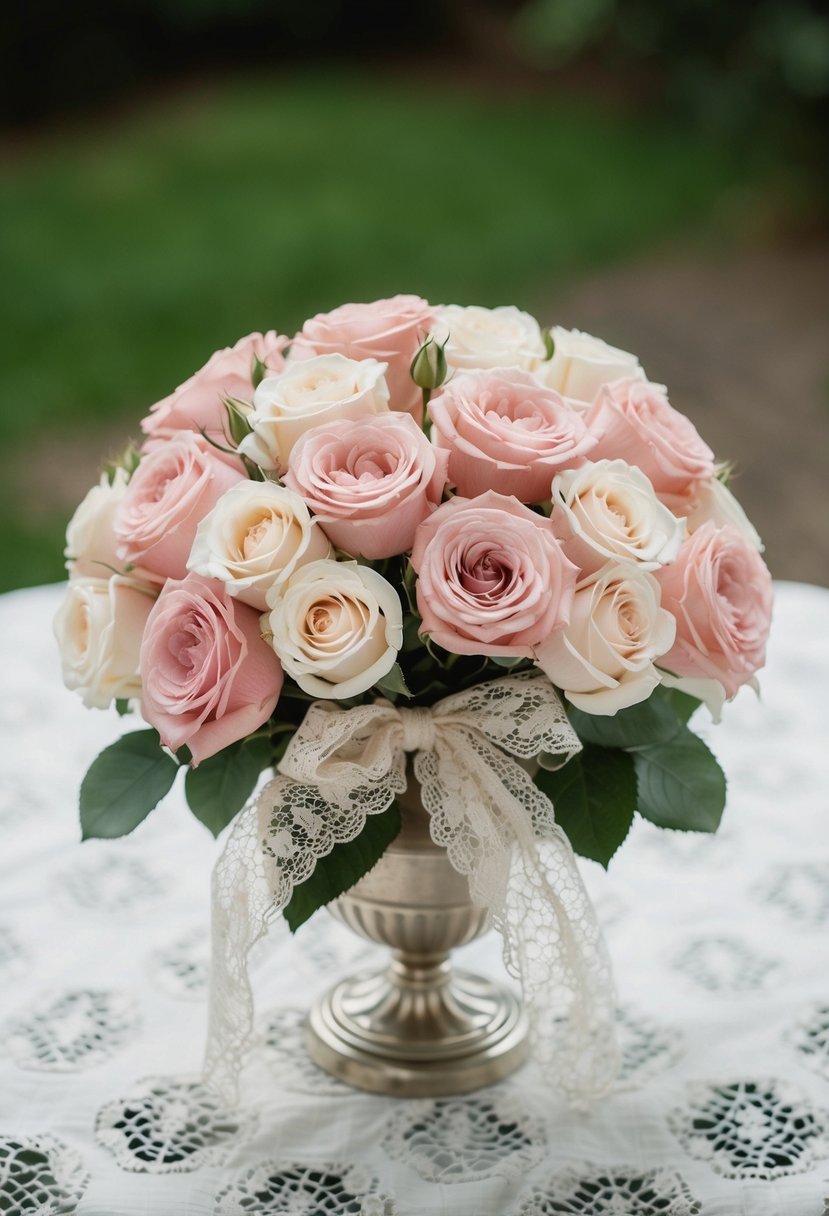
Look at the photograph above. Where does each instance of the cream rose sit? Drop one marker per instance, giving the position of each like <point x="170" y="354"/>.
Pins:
<point x="607" y="510"/>
<point x="581" y="364"/>
<point x="489" y="337"/>
<point x="603" y="660"/>
<point x="311" y="392"/>
<point x="713" y="502"/>
<point x="99" y="627"/>
<point x="337" y="627"/>
<point x="257" y="534"/>
<point x="91" y="543"/>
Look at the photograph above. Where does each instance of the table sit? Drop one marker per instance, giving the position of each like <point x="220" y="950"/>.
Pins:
<point x="719" y="945"/>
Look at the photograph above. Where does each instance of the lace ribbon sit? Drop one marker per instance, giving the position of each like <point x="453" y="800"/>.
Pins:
<point x="498" y="829"/>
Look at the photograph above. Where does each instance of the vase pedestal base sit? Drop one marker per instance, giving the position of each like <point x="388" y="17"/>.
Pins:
<point x="418" y="1030"/>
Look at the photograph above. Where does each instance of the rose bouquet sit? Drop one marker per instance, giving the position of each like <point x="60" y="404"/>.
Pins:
<point x="406" y="518"/>
<point x="297" y="526"/>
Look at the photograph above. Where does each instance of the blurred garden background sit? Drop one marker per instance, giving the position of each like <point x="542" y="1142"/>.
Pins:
<point x="177" y="173"/>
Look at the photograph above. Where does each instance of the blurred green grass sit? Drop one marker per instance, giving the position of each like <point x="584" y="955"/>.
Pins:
<point x="132" y="249"/>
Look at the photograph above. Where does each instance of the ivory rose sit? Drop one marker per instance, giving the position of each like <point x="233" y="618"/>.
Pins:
<point x="308" y="393"/>
<point x="478" y="338"/>
<point x="603" y="660"/>
<point x="720" y="591"/>
<point x="390" y="331"/>
<point x="634" y="421"/>
<point x="607" y="510"/>
<point x="337" y="627"/>
<point x="91" y="545"/>
<point x="170" y="492"/>
<point x="369" y="483"/>
<point x="196" y="405"/>
<point x="99" y="627"/>
<point x="492" y="578"/>
<point x="208" y="677"/>
<point x="505" y="432"/>
<point x="712" y="501"/>
<point x="581" y="364"/>
<point x="256" y="535"/>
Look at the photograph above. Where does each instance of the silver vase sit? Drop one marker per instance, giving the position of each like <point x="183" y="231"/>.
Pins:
<point x="418" y="1028"/>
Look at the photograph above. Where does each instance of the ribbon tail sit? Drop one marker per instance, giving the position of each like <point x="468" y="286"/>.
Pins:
<point x="273" y="847"/>
<point x="243" y="904"/>
<point x="499" y="831"/>
<point x="553" y="943"/>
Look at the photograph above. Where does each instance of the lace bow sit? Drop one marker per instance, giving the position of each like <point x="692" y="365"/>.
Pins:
<point x="498" y="829"/>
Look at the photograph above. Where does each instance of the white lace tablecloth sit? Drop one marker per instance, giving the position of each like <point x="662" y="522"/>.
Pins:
<point x="720" y="946"/>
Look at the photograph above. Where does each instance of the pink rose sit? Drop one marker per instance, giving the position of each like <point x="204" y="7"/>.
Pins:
<point x="388" y="330"/>
<point x="719" y="589"/>
<point x="208" y="677"/>
<point x="492" y="577"/>
<point x="169" y="494"/>
<point x="369" y="483"/>
<point x="506" y="432"/>
<point x="634" y="421"/>
<point x="196" y="404"/>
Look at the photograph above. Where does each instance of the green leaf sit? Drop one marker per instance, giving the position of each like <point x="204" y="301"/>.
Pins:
<point x="122" y="706"/>
<point x="680" y="784"/>
<point x="594" y="797"/>
<point x="658" y="720"/>
<point x="218" y="789"/>
<point x="123" y="784"/>
<point x="393" y="682"/>
<point x="344" y="865"/>
<point x="683" y="703"/>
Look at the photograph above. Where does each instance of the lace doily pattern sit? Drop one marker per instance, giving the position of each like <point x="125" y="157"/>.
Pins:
<point x="75" y="1031"/>
<point x="110" y="884"/>
<point x="648" y="1048"/>
<point x="292" y="1067"/>
<point x="169" y="1125"/>
<point x="181" y="969"/>
<point x="39" y="1176"/>
<point x="12" y="953"/>
<point x="593" y="1190"/>
<point x="752" y="1129"/>
<point x="726" y="964"/>
<point x="801" y="891"/>
<point x="331" y="1189"/>
<point x="466" y="1139"/>
<point x="811" y="1039"/>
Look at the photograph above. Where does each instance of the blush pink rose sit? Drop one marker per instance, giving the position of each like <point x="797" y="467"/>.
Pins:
<point x="169" y="494"/>
<point x="208" y="678"/>
<point x="720" y="592"/>
<point x="387" y="330"/>
<point x="196" y="405"/>
<point x="634" y="421"/>
<point x="506" y="432"/>
<point x="369" y="483"/>
<point x="492" y="578"/>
